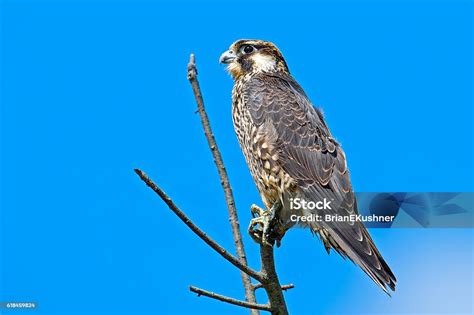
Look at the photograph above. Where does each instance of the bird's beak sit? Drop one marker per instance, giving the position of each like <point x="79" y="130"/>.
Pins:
<point x="227" y="57"/>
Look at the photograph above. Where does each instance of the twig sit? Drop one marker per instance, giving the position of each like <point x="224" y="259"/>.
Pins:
<point x="209" y="241"/>
<point x="229" y="197"/>
<point x="283" y="287"/>
<point x="287" y="286"/>
<point x="255" y="306"/>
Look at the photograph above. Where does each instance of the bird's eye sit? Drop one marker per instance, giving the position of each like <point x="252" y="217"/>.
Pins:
<point x="248" y="49"/>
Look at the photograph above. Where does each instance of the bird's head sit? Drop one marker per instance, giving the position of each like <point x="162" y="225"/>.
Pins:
<point x="247" y="56"/>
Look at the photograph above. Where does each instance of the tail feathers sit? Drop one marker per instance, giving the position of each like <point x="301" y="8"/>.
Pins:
<point x="379" y="270"/>
<point x="371" y="261"/>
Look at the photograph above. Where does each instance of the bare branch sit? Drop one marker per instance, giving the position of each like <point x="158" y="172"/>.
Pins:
<point x="287" y="286"/>
<point x="257" y="286"/>
<point x="272" y="284"/>
<point x="229" y="197"/>
<point x="255" y="306"/>
<point x="209" y="241"/>
<point x="283" y="287"/>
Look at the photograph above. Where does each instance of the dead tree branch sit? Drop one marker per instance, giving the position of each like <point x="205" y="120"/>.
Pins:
<point x="209" y="241"/>
<point x="254" y="306"/>
<point x="229" y="197"/>
<point x="283" y="287"/>
<point x="272" y="283"/>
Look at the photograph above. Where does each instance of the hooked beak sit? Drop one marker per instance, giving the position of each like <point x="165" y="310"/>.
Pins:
<point x="227" y="57"/>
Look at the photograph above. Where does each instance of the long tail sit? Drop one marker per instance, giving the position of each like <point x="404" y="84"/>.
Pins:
<point x="353" y="241"/>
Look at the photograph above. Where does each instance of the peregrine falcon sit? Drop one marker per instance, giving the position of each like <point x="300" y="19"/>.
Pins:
<point x="292" y="154"/>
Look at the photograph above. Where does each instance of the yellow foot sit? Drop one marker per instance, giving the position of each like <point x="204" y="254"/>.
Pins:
<point x="259" y="227"/>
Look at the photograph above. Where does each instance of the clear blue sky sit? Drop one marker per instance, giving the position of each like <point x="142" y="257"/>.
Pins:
<point x="92" y="89"/>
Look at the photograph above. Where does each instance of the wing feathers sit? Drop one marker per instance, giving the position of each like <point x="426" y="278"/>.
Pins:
<point x="310" y="155"/>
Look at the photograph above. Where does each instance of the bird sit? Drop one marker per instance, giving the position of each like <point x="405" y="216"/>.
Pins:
<point x="292" y="154"/>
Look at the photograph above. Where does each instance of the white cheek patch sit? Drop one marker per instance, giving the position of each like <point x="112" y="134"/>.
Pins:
<point x="234" y="69"/>
<point x="264" y="62"/>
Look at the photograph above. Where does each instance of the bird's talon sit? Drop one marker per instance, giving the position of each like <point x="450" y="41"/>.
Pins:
<point x="257" y="211"/>
<point x="262" y="234"/>
<point x="255" y="236"/>
<point x="269" y="229"/>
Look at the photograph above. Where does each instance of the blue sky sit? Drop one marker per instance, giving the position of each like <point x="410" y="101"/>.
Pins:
<point x="91" y="90"/>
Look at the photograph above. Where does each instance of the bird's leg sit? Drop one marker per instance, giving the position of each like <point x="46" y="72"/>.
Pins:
<point x="278" y="229"/>
<point x="266" y="219"/>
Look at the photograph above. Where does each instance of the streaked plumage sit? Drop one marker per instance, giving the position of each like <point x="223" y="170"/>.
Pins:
<point x="291" y="152"/>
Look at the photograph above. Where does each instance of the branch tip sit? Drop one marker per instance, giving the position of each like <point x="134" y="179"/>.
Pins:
<point x="192" y="70"/>
<point x="283" y="287"/>
<point x="226" y="299"/>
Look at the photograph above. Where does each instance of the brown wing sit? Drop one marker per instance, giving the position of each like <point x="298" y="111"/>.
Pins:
<point x="314" y="159"/>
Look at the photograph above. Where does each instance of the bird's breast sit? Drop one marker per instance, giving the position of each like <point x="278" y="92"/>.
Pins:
<point x="259" y="146"/>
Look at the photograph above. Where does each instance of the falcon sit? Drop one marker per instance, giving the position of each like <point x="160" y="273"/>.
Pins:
<point x="292" y="156"/>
